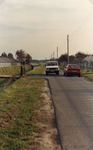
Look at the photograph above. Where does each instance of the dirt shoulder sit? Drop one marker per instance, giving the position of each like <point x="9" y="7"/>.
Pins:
<point x="49" y="139"/>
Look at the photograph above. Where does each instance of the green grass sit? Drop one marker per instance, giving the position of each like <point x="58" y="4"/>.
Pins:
<point x="87" y="74"/>
<point x="12" y="70"/>
<point x="37" y="70"/>
<point x="61" y="67"/>
<point x="18" y="115"/>
<point x="2" y="79"/>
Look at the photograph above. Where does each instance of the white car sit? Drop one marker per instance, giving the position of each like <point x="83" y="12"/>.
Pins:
<point x="52" y="67"/>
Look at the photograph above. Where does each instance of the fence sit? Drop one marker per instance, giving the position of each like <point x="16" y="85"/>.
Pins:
<point x="83" y="65"/>
<point x="86" y="65"/>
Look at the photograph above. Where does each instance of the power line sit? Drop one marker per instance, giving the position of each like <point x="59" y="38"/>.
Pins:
<point x="81" y="31"/>
<point x="83" y="25"/>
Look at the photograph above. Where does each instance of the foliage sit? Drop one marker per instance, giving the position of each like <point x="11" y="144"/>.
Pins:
<point x="4" y="54"/>
<point x="72" y="58"/>
<point x="63" y="58"/>
<point x="80" y="56"/>
<point x="10" y="55"/>
<point x="28" y="59"/>
<point x="20" y="54"/>
<point x="18" y="105"/>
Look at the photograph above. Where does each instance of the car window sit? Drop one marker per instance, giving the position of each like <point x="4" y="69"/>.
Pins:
<point x="51" y="64"/>
<point x="73" y="67"/>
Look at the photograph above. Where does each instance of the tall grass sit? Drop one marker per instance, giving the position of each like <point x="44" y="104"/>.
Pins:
<point x="18" y="115"/>
<point x="12" y="70"/>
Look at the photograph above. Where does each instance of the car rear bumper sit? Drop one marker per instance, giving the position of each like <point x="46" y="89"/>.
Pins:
<point x="74" y="73"/>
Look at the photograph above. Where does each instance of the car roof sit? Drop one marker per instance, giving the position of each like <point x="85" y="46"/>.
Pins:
<point x="73" y="65"/>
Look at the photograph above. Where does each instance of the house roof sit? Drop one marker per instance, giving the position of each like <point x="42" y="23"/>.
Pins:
<point x="88" y="58"/>
<point x="7" y="60"/>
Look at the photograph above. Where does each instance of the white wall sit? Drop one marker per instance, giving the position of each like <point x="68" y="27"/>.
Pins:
<point x="8" y="64"/>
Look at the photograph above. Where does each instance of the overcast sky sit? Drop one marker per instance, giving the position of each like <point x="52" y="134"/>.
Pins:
<point x="39" y="26"/>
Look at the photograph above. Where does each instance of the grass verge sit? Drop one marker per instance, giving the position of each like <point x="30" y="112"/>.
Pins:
<point x="37" y="70"/>
<point x="12" y="70"/>
<point x="18" y="115"/>
<point x="87" y="74"/>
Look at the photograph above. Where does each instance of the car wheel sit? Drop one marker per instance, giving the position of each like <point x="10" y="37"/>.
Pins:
<point x="46" y="73"/>
<point x="57" y="73"/>
<point x="79" y="75"/>
<point x="66" y="74"/>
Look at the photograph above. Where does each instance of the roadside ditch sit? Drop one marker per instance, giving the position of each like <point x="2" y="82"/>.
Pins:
<point x="5" y="83"/>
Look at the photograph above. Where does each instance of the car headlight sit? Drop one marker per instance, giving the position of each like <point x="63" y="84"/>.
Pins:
<point x="47" y="69"/>
<point x="57" y="68"/>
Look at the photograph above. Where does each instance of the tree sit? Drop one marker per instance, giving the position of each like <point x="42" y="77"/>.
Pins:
<point x="10" y="55"/>
<point x="21" y="56"/>
<point x="4" y="54"/>
<point x="80" y="56"/>
<point x="72" y="58"/>
<point x="63" y="58"/>
<point x="28" y="59"/>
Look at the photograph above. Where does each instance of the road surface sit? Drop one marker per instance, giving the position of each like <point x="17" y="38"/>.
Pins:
<point x="73" y="101"/>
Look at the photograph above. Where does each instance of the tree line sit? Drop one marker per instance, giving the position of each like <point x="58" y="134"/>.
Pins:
<point x="79" y="56"/>
<point x="21" y="56"/>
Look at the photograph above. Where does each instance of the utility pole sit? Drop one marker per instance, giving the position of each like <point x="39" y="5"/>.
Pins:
<point x="68" y="47"/>
<point x="57" y="53"/>
<point x="53" y="55"/>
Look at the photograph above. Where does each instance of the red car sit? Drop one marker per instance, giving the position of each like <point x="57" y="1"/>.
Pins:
<point x="72" y="69"/>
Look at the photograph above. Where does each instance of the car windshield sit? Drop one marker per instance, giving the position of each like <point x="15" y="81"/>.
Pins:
<point x="51" y="64"/>
<point x="73" y="67"/>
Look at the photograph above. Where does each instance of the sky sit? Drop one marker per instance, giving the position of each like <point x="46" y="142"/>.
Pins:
<point x="40" y="26"/>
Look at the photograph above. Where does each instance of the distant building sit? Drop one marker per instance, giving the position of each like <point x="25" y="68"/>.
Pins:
<point x="5" y="61"/>
<point x="35" y="61"/>
<point x="42" y="61"/>
<point x="89" y="58"/>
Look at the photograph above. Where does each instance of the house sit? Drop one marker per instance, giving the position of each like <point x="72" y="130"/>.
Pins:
<point x="5" y="61"/>
<point x="89" y="58"/>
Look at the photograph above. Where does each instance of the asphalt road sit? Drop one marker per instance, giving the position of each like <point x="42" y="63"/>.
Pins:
<point x="73" y="101"/>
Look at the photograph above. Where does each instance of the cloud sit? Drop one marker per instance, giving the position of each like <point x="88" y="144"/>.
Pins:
<point x="37" y="14"/>
<point x="91" y="1"/>
<point x="39" y="25"/>
<point x="1" y="1"/>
